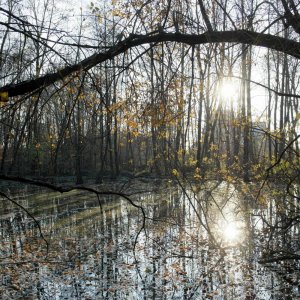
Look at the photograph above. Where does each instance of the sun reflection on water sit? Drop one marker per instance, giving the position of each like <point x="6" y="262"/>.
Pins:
<point x="231" y="232"/>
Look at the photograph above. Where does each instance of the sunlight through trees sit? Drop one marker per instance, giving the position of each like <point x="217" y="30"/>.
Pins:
<point x="193" y="95"/>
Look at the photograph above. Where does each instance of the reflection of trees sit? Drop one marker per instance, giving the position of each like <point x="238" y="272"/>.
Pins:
<point x="137" y="94"/>
<point x="91" y="250"/>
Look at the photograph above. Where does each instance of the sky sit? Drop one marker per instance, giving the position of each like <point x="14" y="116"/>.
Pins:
<point x="74" y="8"/>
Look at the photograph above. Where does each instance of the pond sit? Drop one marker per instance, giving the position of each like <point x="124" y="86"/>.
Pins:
<point x="197" y="243"/>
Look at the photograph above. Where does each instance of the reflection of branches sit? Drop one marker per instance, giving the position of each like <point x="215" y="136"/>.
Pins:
<point x="291" y="221"/>
<point x="284" y="227"/>
<point x="205" y="225"/>
<point x="29" y="214"/>
<point x="290" y="256"/>
<point x="65" y="189"/>
<point x="206" y="274"/>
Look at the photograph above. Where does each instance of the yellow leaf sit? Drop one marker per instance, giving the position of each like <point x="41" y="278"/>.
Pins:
<point x="197" y="174"/>
<point x="132" y="124"/>
<point x="135" y="133"/>
<point x="116" y="13"/>
<point x="175" y="172"/>
<point x="3" y="97"/>
<point x="213" y="147"/>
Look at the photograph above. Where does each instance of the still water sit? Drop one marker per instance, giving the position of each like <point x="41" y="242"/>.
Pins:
<point x="198" y="243"/>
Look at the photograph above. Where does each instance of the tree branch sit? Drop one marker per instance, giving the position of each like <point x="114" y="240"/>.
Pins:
<point x="205" y="16"/>
<point x="235" y="36"/>
<point x="64" y="189"/>
<point x="29" y="214"/>
<point x="266" y="87"/>
<point x="293" y="19"/>
<point x="282" y="154"/>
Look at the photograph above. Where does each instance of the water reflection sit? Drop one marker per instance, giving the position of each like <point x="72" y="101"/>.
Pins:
<point x="231" y="232"/>
<point x="91" y="251"/>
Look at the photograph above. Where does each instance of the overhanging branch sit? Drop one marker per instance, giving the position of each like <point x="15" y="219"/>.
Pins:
<point x="234" y="36"/>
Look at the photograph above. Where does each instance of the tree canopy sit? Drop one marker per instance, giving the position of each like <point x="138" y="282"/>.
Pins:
<point x="150" y="76"/>
<point x="168" y="31"/>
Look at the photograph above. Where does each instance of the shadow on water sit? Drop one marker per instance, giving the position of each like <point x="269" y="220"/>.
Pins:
<point x="91" y="251"/>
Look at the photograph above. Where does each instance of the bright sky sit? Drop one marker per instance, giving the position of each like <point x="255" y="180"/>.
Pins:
<point x="74" y="8"/>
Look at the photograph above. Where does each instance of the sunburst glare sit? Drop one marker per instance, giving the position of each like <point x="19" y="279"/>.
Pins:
<point x="228" y="90"/>
<point x="231" y="232"/>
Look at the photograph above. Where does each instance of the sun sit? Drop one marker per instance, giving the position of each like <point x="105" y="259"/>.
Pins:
<point x="228" y="90"/>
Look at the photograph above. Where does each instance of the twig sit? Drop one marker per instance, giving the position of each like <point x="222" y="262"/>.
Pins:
<point x="29" y="214"/>
<point x="64" y="189"/>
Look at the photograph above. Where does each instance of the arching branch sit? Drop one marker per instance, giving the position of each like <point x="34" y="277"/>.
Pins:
<point x="234" y="36"/>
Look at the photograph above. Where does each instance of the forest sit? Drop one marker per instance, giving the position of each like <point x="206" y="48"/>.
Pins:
<point x="149" y="149"/>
